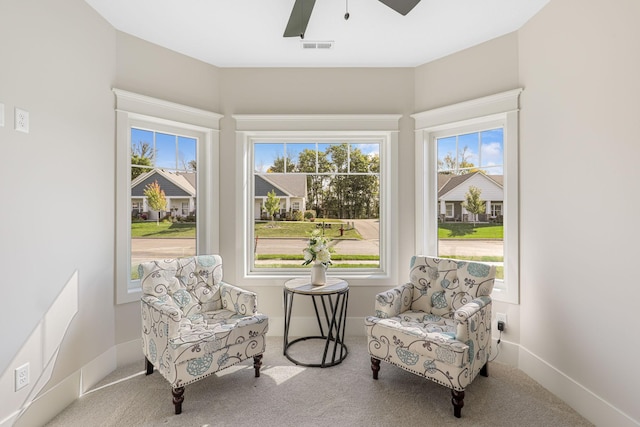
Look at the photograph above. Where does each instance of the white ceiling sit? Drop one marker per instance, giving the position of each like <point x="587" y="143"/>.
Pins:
<point x="248" y="33"/>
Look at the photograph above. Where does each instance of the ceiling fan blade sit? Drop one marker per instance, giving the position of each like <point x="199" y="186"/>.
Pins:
<point x="299" y="18"/>
<point x="401" y="6"/>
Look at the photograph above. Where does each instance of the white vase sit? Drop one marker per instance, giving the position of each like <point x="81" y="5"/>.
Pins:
<point x="318" y="274"/>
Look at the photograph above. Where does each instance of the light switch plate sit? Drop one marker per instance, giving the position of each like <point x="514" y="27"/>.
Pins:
<point x="21" y="120"/>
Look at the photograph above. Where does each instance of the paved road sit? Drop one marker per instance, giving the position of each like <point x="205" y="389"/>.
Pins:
<point x="149" y="249"/>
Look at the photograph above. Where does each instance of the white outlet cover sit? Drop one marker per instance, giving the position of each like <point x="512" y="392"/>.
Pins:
<point x="1" y="115"/>
<point x="21" y="120"/>
<point x="22" y="376"/>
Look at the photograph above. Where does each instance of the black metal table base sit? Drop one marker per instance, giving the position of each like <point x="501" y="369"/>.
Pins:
<point x="335" y="316"/>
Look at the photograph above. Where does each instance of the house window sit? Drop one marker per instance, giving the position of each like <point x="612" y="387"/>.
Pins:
<point x="467" y="170"/>
<point x="335" y="181"/>
<point x="168" y="149"/>
<point x="496" y="210"/>
<point x="448" y="210"/>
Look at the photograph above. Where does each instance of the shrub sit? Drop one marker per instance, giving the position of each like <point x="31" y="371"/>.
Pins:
<point x="310" y="215"/>
<point x="297" y="216"/>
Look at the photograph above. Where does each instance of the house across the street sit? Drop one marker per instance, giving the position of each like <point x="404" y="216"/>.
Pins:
<point x="179" y="189"/>
<point x="290" y="188"/>
<point x="452" y="190"/>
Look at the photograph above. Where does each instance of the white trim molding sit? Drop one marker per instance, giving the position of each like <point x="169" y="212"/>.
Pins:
<point x="133" y="109"/>
<point x="499" y="109"/>
<point x="286" y="127"/>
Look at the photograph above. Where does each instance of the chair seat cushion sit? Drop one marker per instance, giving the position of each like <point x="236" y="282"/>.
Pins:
<point x="211" y="331"/>
<point x="416" y="333"/>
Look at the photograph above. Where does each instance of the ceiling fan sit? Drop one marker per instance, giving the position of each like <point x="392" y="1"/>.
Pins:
<point x="302" y="9"/>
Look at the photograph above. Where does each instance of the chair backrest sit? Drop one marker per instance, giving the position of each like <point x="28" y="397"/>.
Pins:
<point x="440" y="285"/>
<point x="192" y="284"/>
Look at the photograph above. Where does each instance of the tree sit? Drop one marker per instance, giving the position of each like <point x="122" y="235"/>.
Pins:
<point x="278" y="165"/>
<point x="448" y="164"/>
<point x="473" y="204"/>
<point x="272" y="204"/>
<point x="141" y="155"/>
<point x="155" y="198"/>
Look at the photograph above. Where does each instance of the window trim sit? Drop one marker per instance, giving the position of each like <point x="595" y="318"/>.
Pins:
<point x="382" y="127"/>
<point x="503" y="108"/>
<point x="135" y="109"/>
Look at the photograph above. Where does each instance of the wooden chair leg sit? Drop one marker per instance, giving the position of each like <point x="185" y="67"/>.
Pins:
<point x="148" y="366"/>
<point x="484" y="371"/>
<point x="178" y="398"/>
<point x="457" y="398"/>
<point x="375" y="367"/>
<point x="257" y="363"/>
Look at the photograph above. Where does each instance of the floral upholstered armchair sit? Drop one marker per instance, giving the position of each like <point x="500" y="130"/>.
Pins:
<point x="194" y="324"/>
<point x="438" y="325"/>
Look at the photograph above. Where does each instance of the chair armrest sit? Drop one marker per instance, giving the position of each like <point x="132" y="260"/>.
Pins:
<point x="161" y="320"/>
<point x="473" y="317"/>
<point x="394" y="301"/>
<point x="239" y="300"/>
<point x="164" y="306"/>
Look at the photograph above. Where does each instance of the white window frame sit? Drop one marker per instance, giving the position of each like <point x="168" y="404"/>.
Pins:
<point x="383" y="128"/>
<point x="501" y="109"/>
<point x="134" y="110"/>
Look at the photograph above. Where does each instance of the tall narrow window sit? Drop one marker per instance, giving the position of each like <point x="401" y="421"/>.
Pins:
<point x="470" y="196"/>
<point x="163" y="196"/>
<point x="467" y="185"/>
<point x="166" y="185"/>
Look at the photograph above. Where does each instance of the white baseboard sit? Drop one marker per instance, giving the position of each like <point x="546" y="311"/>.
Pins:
<point x="46" y="406"/>
<point x="584" y="401"/>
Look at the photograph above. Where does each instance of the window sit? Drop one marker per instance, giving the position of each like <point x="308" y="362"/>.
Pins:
<point x="169" y="150"/>
<point x="467" y="180"/>
<point x="496" y="210"/>
<point x="470" y="176"/>
<point x="167" y="164"/>
<point x="333" y="179"/>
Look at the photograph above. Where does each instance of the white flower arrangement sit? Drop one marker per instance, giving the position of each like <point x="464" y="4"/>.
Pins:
<point x="318" y="249"/>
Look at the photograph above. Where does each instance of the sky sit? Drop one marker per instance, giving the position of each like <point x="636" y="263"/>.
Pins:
<point x="265" y="153"/>
<point x="172" y="151"/>
<point x="484" y="149"/>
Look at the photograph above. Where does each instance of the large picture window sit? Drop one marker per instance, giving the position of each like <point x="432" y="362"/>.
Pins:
<point x="167" y="161"/>
<point x="328" y="185"/>
<point x="467" y="185"/>
<point x="330" y="181"/>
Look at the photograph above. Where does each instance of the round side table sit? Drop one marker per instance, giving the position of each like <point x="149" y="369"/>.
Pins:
<point x="333" y="297"/>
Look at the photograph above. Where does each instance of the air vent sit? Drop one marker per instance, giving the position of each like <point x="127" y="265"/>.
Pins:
<point x="316" y="45"/>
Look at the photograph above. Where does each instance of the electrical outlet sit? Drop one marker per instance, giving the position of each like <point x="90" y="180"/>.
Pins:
<point x="21" y="120"/>
<point x="22" y="376"/>
<point x="501" y="317"/>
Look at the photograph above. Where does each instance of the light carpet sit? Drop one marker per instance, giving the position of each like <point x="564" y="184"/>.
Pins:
<point x="291" y="395"/>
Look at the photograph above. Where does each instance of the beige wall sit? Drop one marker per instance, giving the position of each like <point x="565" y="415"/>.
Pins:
<point x="579" y="65"/>
<point x="152" y="70"/>
<point x="482" y="70"/>
<point x="57" y="62"/>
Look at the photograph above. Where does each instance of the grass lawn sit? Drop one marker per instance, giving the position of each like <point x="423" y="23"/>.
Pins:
<point x="163" y="230"/>
<point x="302" y="229"/>
<point x="466" y="230"/>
